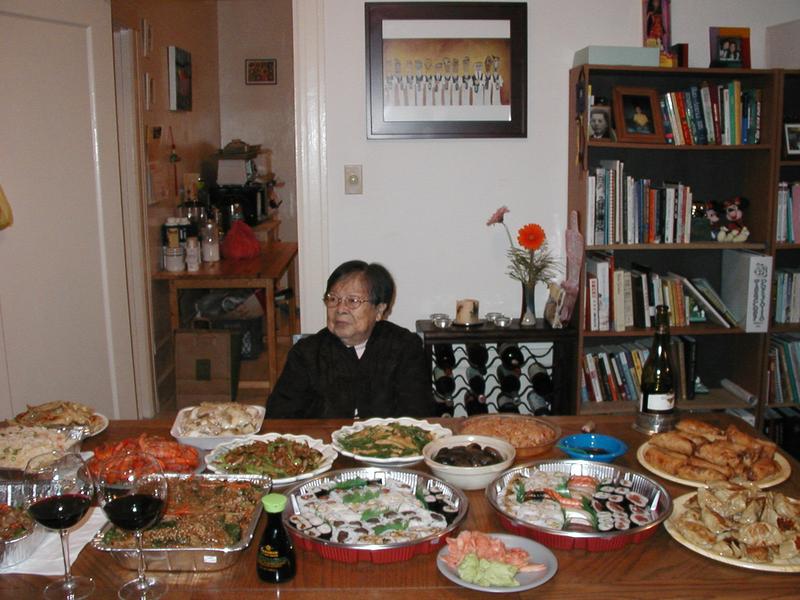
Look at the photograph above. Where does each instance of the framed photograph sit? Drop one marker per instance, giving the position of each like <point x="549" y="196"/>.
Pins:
<point x="637" y="115"/>
<point x="600" y="123"/>
<point x="261" y="71"/>
<point x="792" y="136"/>
<point x="729" y="47"/>
<point x="446" y="69"/>
<point x="180" y="79"/>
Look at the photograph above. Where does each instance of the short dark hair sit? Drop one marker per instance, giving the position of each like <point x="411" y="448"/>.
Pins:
<point x="379" y="280"/>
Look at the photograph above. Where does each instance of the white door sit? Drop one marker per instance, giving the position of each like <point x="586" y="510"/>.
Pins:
<point x="64" y="318"/>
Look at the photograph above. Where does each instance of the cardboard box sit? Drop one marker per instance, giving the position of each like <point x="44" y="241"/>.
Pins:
<point x="746" y="287"/>
<point x="632" y="56"/>
<point x="206" y="366"/>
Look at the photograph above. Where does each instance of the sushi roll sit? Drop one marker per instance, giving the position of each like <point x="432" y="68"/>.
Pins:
<point x="598" y="506"/>
<point x="609" y="489"/>
<point x="618" y="498"/>
<point x="621" y="490"/>
<point x="344" y="536"/>
<point x="300" y="523"/>
<point x="450" y="513"/>
<point x="640" y="519"/>
<point x="636" y="499"/>
<point x="324" y="531"/>
<point x="615" y="507"/>
<point x="601" y="495"/>
<point x="628" y="483"/>
<point x="605" y="525"/>
<point x="315" y="521"/>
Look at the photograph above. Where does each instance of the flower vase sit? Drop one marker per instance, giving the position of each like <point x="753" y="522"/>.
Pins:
<point x="527" y="317"/>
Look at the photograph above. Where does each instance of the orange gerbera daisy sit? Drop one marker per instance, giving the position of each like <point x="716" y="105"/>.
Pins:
<point x="531" y="236"/>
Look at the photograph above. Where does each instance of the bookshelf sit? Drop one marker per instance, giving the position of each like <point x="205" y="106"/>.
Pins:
<point x="713" y="172"/>
<point x="786" y="254"/>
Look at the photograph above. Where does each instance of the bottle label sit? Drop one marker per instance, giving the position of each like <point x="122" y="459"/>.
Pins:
<point x="657" y="402"/>
<point x="270" y="559"/>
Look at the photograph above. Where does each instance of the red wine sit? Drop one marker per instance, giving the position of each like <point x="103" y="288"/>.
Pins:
<point x="60" y="512"/>
<point x="137" y="511"/>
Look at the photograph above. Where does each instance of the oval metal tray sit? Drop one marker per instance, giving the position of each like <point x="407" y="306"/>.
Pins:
<point x="661" y="504"/>
<point x="377" y="553"/>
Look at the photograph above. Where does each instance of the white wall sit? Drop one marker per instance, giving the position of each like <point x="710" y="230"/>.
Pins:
<point x="260" y="114"/>
<point x="425" y="203"/>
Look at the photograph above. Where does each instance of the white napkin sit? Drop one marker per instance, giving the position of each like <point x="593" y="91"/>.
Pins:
<point x="47" y="560"/>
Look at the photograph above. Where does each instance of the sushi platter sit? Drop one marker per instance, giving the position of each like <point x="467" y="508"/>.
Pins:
<point x="373" y="514"/>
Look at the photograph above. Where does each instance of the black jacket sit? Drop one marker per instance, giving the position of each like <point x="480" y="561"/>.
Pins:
<point x="323" y="378"/>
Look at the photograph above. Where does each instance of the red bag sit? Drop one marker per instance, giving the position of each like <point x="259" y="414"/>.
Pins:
<point x="240" y="242"/>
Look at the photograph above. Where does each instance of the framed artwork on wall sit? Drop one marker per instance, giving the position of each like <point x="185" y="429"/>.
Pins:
<point x="792" y="139"/>
<point x="180" y="79"/>
<point x="261" y="71"/>
<point x="637" y="115"/>
<point x="446" y="69"/>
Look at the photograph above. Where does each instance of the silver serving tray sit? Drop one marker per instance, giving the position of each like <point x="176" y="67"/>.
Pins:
<point x="412" y="478"/>
<point x="15" y="551"/>
<point x="660" y="501"/>
<point x="189" y="559"/>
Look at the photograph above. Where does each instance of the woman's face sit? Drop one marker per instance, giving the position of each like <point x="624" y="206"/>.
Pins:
<point x="353" y="325"/>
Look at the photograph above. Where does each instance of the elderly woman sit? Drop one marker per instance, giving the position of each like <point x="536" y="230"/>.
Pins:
<point x="360" y="365"/>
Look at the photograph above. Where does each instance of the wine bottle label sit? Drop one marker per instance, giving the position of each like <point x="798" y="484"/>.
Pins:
<point x="657" y="402"/>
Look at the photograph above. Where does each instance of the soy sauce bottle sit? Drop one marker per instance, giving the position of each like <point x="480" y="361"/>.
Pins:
<point x="275" y="560"/>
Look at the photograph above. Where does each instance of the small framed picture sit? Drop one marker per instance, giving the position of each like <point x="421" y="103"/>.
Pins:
<point x="729" y="47"/>
<point x="792" y="136"/>
<point x="637" y="115"/>
<point x="261" y="71"/>
<point x="600" y="123"/>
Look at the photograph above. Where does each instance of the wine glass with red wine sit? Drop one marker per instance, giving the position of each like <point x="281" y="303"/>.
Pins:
<point x="132" y="490"/>
<point x="58" y="492"/>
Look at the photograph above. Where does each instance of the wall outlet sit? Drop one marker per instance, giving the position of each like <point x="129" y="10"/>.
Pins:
<point x="353" y="181"/>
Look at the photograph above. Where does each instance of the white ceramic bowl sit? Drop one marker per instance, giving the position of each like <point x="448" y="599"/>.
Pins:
<point x="469" y="478"/>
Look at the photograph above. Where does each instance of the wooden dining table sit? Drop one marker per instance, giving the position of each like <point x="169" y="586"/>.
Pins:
<point x="658" y="567"/>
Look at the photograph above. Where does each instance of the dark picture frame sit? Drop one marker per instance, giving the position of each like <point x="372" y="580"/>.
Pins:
<point x="791" y="137"/>
<point x="637" y="115"/>
<point x="729" y="47"/>
<point x="599" y="123"/>
<point x="260" y="71"/>
<point x="423" y="59"/>
<point x="180" y="78"/>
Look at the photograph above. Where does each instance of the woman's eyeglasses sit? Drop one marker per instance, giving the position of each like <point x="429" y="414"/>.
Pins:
<point x="351" y="302"/>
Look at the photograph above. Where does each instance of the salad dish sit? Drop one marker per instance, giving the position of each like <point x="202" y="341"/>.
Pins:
<point x="210" y="424"/>
<point x="579" y="504"/>
<point x="209" y="519"/>
<point x="740" y="525"/>
<point x="496" y="562"/>
<point x="373" y="514"/>
<point x="20" y="535"/>
<point x="286" y="458"/>
<point x="385" y="442"/>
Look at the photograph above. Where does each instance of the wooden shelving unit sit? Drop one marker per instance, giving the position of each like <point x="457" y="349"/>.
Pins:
<point x="714" y="172"/>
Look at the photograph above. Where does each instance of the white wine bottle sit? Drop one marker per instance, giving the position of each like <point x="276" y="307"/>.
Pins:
<point x="657" y="396"/>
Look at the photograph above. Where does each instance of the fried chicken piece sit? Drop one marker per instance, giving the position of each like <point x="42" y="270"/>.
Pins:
<point x="674" y="441"/>
<point x="696" y="427"/>
<point x="665" y="460"/>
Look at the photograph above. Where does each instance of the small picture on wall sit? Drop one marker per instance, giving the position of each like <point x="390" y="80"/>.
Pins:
<point x="729" y="47"/>
<point x="637" y="115"/>
<point x="180" y="79"/>
<point x="261" y="71"/>
<point x="792" y="133"/>
<point x="600" y="123"/>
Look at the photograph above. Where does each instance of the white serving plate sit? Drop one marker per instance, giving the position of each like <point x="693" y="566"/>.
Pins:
<point x="529" y="580"/>
<point x="328" y="455"/>
<point x="784" y="470"/>
<point x="204" y="442"/>
<point x="402" y="461"/>
<point x="679" y="507"/>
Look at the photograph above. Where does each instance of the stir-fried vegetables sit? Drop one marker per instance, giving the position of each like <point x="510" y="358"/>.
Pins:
<point x="389" y="440"/>
<point x="14" y="522"/>
<point x="277" y="458"/>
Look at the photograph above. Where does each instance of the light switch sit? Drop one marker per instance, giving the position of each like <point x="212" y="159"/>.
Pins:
<point x="353" y="182"/>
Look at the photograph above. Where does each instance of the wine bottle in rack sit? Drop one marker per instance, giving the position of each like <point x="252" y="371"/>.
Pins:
<point x="476" y="381"/>
<point x="443" y="356"/>
<point x="511" y="356"/>
<point x="540" y="379"/>
<point x="657" y="399"/>
<point x="443" y="382"/>
<point x="537" y="404"/>
<point x="507" y="404"/>
<point x="508" y="380"/>
<point x="475" y="404"/>
<point x="478" y="357"/>
<point x="443" y="408"/>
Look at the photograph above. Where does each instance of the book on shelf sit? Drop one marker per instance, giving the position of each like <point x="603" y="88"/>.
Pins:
<point x="690" y="360"/>
<point x="709" y="309"/>
<point x="601" y="266"/>
<point x="787" y="296"/>
<point x="786" y="349"/>
<point x="788" y="212"/>
<point x="746" y="287"/>
<point x="710" y="294"/>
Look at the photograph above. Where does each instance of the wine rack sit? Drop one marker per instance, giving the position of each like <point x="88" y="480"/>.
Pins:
<point x="470" y="373"/>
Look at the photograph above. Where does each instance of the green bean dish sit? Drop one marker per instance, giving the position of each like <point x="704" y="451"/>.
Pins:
<point x="390" y="440"/>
